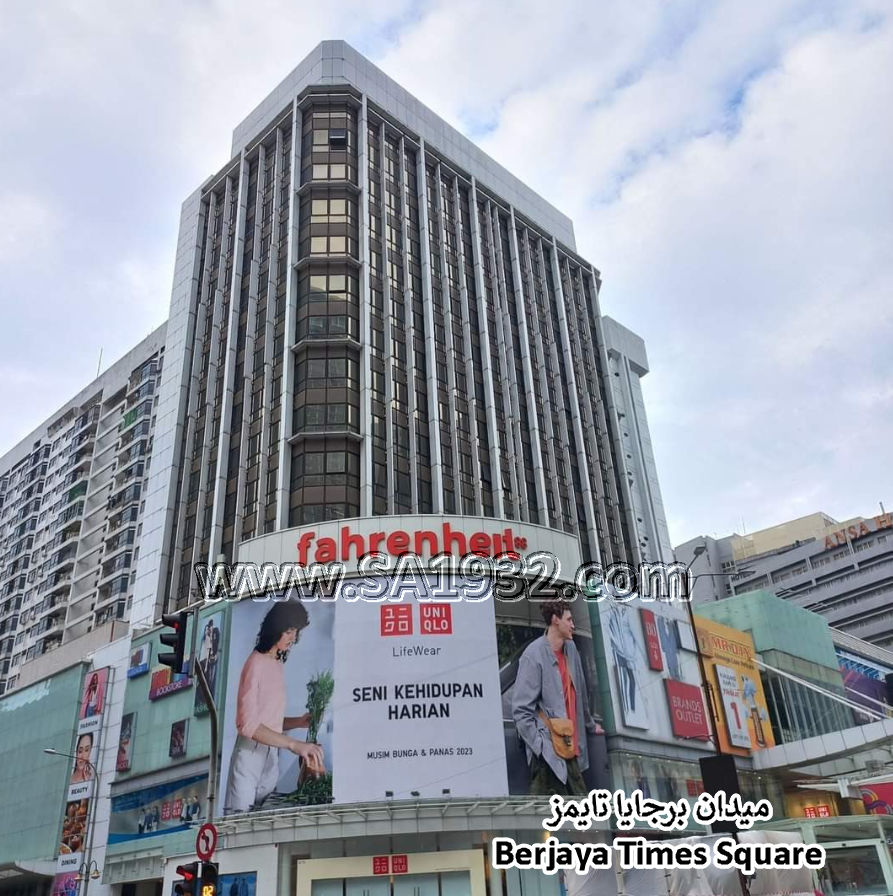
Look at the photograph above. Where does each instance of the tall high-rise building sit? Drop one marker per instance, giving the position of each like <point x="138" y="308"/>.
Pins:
<point x="70" y="502"/>
<point x="372" y="317"/>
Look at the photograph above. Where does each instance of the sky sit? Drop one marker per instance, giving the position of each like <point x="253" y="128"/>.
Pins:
<point x="727" y="165"/>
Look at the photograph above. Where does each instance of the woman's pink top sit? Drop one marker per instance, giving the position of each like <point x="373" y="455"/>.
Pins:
<point x="261" y="699"/>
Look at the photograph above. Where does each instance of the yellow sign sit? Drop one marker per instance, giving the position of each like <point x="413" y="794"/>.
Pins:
<point x="208" y="890"/>
<point x="736" y="691"/>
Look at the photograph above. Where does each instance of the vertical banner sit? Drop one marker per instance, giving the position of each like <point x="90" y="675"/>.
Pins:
<point x="652" y="641"/>
<point x="419" y="680"/>
<point x="210" y="657"/>
<point x="736" y="712"/>
<point x="80" y="789"/>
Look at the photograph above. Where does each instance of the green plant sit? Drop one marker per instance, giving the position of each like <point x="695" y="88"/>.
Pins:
<point x="319" y="693"/>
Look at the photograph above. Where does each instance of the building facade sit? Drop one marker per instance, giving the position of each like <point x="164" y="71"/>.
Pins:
<point x="70" y="502"/>
<point x="842" y="570"/>
<point x="370" y="317"/>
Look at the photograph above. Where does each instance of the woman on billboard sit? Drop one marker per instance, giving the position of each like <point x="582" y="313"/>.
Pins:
<point x="260" y="713"/>
<point x="82" y="769"/>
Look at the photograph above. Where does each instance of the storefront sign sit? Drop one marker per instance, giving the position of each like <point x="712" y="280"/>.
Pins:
<point x="817" y="811"/>
<point x="652" y="641"/>
<point x="686" y="710"/>
<point x="390" y="864"/>
<point x="139" y="660"/>
<point x="164" y="683"/>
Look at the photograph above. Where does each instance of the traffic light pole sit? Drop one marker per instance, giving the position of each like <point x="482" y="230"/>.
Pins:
<point x="213" y="771"/>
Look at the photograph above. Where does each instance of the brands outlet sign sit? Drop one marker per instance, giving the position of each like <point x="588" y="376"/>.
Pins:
<point x="424" y="536"/>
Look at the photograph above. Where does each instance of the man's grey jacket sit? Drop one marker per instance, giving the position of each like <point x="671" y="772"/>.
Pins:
<point x="538" y="689"/>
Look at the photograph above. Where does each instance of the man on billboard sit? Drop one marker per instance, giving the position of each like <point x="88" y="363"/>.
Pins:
<point x="550" y="707"/>
<point x="260" y="713"/>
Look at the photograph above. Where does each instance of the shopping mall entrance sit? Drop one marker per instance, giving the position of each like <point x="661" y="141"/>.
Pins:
<point x="444" y="883"/>
<point x="453" y="873"/>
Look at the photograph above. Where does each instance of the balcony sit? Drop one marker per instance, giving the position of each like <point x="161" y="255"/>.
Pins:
<point x="75" y="512"/>
<point x="134" y="415"/>
<point x="140" y="431"/>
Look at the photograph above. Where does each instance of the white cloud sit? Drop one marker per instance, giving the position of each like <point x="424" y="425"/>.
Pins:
<point x="727" y="166"/>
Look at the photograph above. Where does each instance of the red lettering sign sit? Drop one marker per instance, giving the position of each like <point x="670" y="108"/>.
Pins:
<point x="381" y="865"/>
<point x="652" y="641"/>
<point x="686" y="706"/>
<point x="422" y="542"/>
<point x="823" y="811"/>
<point x="400" y="864"/>
<point x="436" y="619"/>
<point x="396" y="619"/>
<point x="809" y="812"/>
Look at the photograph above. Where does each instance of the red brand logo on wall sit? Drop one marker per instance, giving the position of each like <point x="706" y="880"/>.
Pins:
<point x="422" y="542"/>
<point x="436" y="619"/>
<point x="396" y="619"/>
<point x="652" y="641"/>
<point x="687" y="714"/>
<point x="390" y="864"/>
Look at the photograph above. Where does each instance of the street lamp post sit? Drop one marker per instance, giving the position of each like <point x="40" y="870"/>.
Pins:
<point x="87" y="869"/>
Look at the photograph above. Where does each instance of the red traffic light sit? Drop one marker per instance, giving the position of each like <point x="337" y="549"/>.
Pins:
<point x="188" y="872"/>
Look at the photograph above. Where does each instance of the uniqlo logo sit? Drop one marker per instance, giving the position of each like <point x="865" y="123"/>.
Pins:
<point x="809" y="812"/>
<point x="400" y="864"/>
<point x="396" y="619"/>
<point x="381" y="865"/>
<point x="165" y="811"/>
<point x="436" y="619"/>
<point x="177" y="808"/>
<point x="823" y="812"/>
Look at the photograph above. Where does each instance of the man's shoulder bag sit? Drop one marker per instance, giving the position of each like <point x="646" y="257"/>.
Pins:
<point x="562" y="731"/>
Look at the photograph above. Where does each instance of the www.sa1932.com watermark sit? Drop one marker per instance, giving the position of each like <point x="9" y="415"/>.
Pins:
<point x="510" y="576"/>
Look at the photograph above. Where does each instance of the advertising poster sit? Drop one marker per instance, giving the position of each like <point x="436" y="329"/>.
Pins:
<point x="419" y="679"/>
<point x="74" y="834"/>
<point x="93" y="699"/>
<point x="177" y="745"/>
<point x="742" y="713"/>
<point x="125" y="742"/>
<point x="238" y="884"/>
<point x="865" y="685"/>
<point x="629" y="658"/>
<point x="86" y="757"/>
<point x="65" y="884"/>
<point x="651" y="680"/>
<point x="355" y="700"/>
<point x="734" y="708"/>
<point x="153" y="811"/>
<point x="878" y="799"/>
<point x="139" y="660"/>
<point x="210" y="655"/>
<point x="652" y="641"/>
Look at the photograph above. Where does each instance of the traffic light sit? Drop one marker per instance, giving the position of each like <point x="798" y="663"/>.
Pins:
<point x="191" y="879"/>
<point x="175" y="639"/>
<point x="209" y="879"/>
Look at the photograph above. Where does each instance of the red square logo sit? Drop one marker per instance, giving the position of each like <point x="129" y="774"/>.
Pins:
<point x="809" y="812"/>
<point x="165" y="811"/>
<point x="396" y="619"/>
<point x="436" y="619"/>
<point x="400" y="864"/>
<point x="381" y="865"/>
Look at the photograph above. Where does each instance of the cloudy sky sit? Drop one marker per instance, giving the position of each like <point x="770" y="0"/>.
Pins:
<point x="726" y="164"/>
